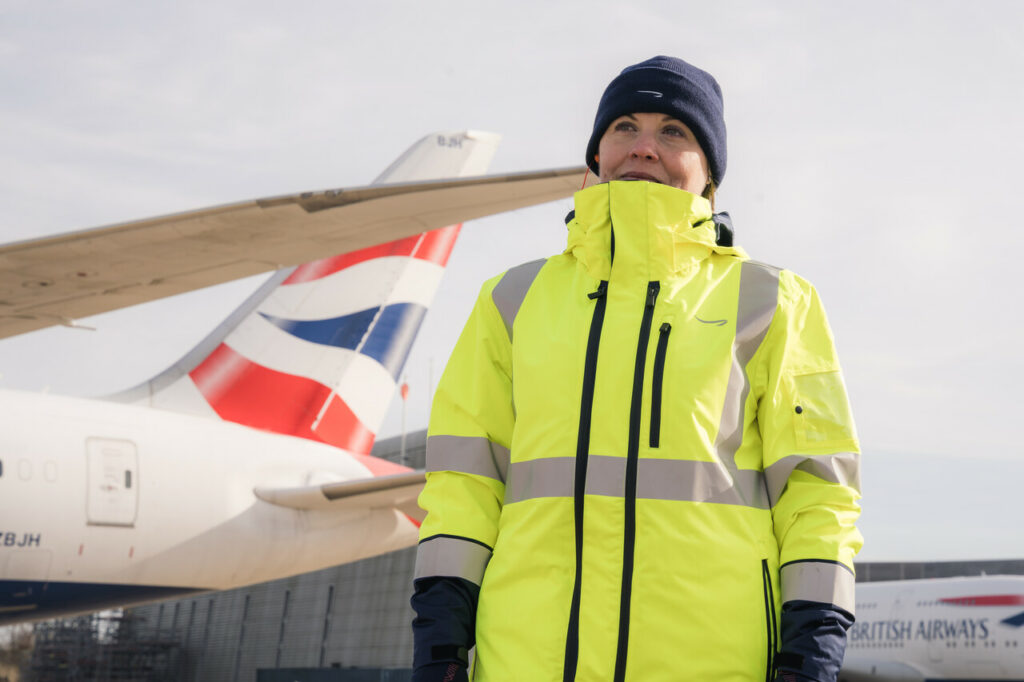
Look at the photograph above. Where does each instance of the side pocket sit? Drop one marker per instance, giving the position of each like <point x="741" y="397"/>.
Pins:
<point x="823" y="416"/>
<point x="771" y="626"/>
<point x="657" y="381"/>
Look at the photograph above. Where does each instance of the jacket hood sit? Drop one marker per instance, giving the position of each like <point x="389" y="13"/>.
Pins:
<point x="659" y="231"/>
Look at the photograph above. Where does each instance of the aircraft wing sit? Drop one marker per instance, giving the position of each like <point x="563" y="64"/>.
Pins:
<point x="58" y="279"/>
<point x="396" y="490"/>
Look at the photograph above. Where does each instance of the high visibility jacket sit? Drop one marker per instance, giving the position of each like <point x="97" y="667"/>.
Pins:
<point x="639" y="450"/>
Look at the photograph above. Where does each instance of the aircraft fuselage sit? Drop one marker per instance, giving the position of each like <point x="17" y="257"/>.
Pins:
<point x="105" y="504"/>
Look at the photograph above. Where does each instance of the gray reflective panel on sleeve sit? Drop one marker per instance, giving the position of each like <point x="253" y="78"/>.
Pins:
<point x="842" y="468"/>
<point x="508" y="294"/>
<point x="821" y="581"/>
<point x="468" y="455"/>
<point x="444" y="556"/>
<point x="657" y="479"/>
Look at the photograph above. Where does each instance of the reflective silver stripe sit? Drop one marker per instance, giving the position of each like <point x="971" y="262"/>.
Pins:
<point x="548" y="477"/>
<point x="467" y="455"/>
<point x="657" y="479"/>
<point x="842" y="468"/>
<point x="447" y="556"/>
<point x="508" y="294"/>
<point x="820" y="581"/>
<point x="671" y="479"/>
<point x="755" y="308"/>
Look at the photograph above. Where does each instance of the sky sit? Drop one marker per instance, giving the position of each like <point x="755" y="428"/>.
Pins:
<point x="874" y="148"/>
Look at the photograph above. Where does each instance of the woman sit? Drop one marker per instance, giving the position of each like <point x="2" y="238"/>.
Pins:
<point x="641" y="462"/>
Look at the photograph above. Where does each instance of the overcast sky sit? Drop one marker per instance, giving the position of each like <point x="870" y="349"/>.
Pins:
<point x="874" y="147"/>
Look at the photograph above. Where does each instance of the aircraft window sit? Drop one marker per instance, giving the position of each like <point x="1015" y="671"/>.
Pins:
<point x="1" y="467"/>
<point x="127" y="478"/>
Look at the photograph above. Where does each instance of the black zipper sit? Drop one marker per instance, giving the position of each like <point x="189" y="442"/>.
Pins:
<point x="572" y="638"/>
<point x="656" y="381"/>
<point x="632" y="456"/>
<point x="769" y="617"/>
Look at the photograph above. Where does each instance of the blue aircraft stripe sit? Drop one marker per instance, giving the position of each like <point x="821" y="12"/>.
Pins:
<point x="1015" y="621"/>
<point x="388" y="342"/>
<point x="342" y="332"/>
<point x="391" y="338"/>
<point x="32" y="598"/>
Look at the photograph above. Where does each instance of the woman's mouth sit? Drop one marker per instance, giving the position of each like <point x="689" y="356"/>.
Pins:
<point x="633" y="175"/>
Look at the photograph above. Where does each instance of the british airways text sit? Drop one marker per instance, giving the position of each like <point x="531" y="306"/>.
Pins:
<point x="903" y="630"/>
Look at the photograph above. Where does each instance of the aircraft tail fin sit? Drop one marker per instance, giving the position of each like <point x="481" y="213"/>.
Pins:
<point x="318" y="349"/>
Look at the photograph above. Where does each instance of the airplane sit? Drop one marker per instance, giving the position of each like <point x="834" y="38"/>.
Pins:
<point x="937" y="629"/>
<point x="248" y="459"/>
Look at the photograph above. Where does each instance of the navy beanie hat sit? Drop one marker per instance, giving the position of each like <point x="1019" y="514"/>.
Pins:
<point x="666" y="85"/>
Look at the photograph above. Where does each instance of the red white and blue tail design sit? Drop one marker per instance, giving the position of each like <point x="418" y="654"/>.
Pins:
<point x="317" y="351"/>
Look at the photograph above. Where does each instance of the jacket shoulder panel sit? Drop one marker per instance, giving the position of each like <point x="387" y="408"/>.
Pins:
<point x="511" y="288"/>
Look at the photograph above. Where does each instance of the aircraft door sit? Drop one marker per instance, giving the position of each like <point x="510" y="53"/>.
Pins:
<point x="113" y="483"/>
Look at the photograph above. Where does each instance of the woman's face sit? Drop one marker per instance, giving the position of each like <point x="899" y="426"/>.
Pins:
<point x="655" y="148"/>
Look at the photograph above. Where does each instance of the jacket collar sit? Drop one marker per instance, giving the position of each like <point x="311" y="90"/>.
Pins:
<point x="659" y="231"/>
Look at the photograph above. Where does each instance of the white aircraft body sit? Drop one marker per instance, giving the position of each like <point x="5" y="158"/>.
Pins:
<point x="937" y="629"/>
<point x="248" y="459"/>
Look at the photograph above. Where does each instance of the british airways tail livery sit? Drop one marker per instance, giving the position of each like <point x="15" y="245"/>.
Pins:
<point x="937" y="629"/>
<point x="247" y="460"/>
<point x="316" y="352"/>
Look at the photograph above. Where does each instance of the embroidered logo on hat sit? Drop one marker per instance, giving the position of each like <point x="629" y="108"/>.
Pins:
<point x="649" y="92"/>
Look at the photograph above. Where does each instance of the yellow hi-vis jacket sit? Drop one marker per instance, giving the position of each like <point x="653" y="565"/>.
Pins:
<point x="639" y="450"/>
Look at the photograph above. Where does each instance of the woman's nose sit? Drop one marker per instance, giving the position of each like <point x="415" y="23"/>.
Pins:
<point x="644" y="148"/>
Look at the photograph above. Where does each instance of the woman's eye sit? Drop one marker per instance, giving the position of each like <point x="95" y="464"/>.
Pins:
<point x="625" y="126"/>
<point x="676" y="132"/>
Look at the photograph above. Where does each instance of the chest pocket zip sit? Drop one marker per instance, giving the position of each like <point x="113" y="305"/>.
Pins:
<point x="656" y="383"/>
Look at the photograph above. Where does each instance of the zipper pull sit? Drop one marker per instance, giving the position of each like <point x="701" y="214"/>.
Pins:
<point x="602" y="289"/>
<point x="665" y="327"/>
<point x="652" y="293"/>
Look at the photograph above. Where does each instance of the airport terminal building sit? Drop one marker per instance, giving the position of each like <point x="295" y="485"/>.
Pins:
<point x="346" y="623"/>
